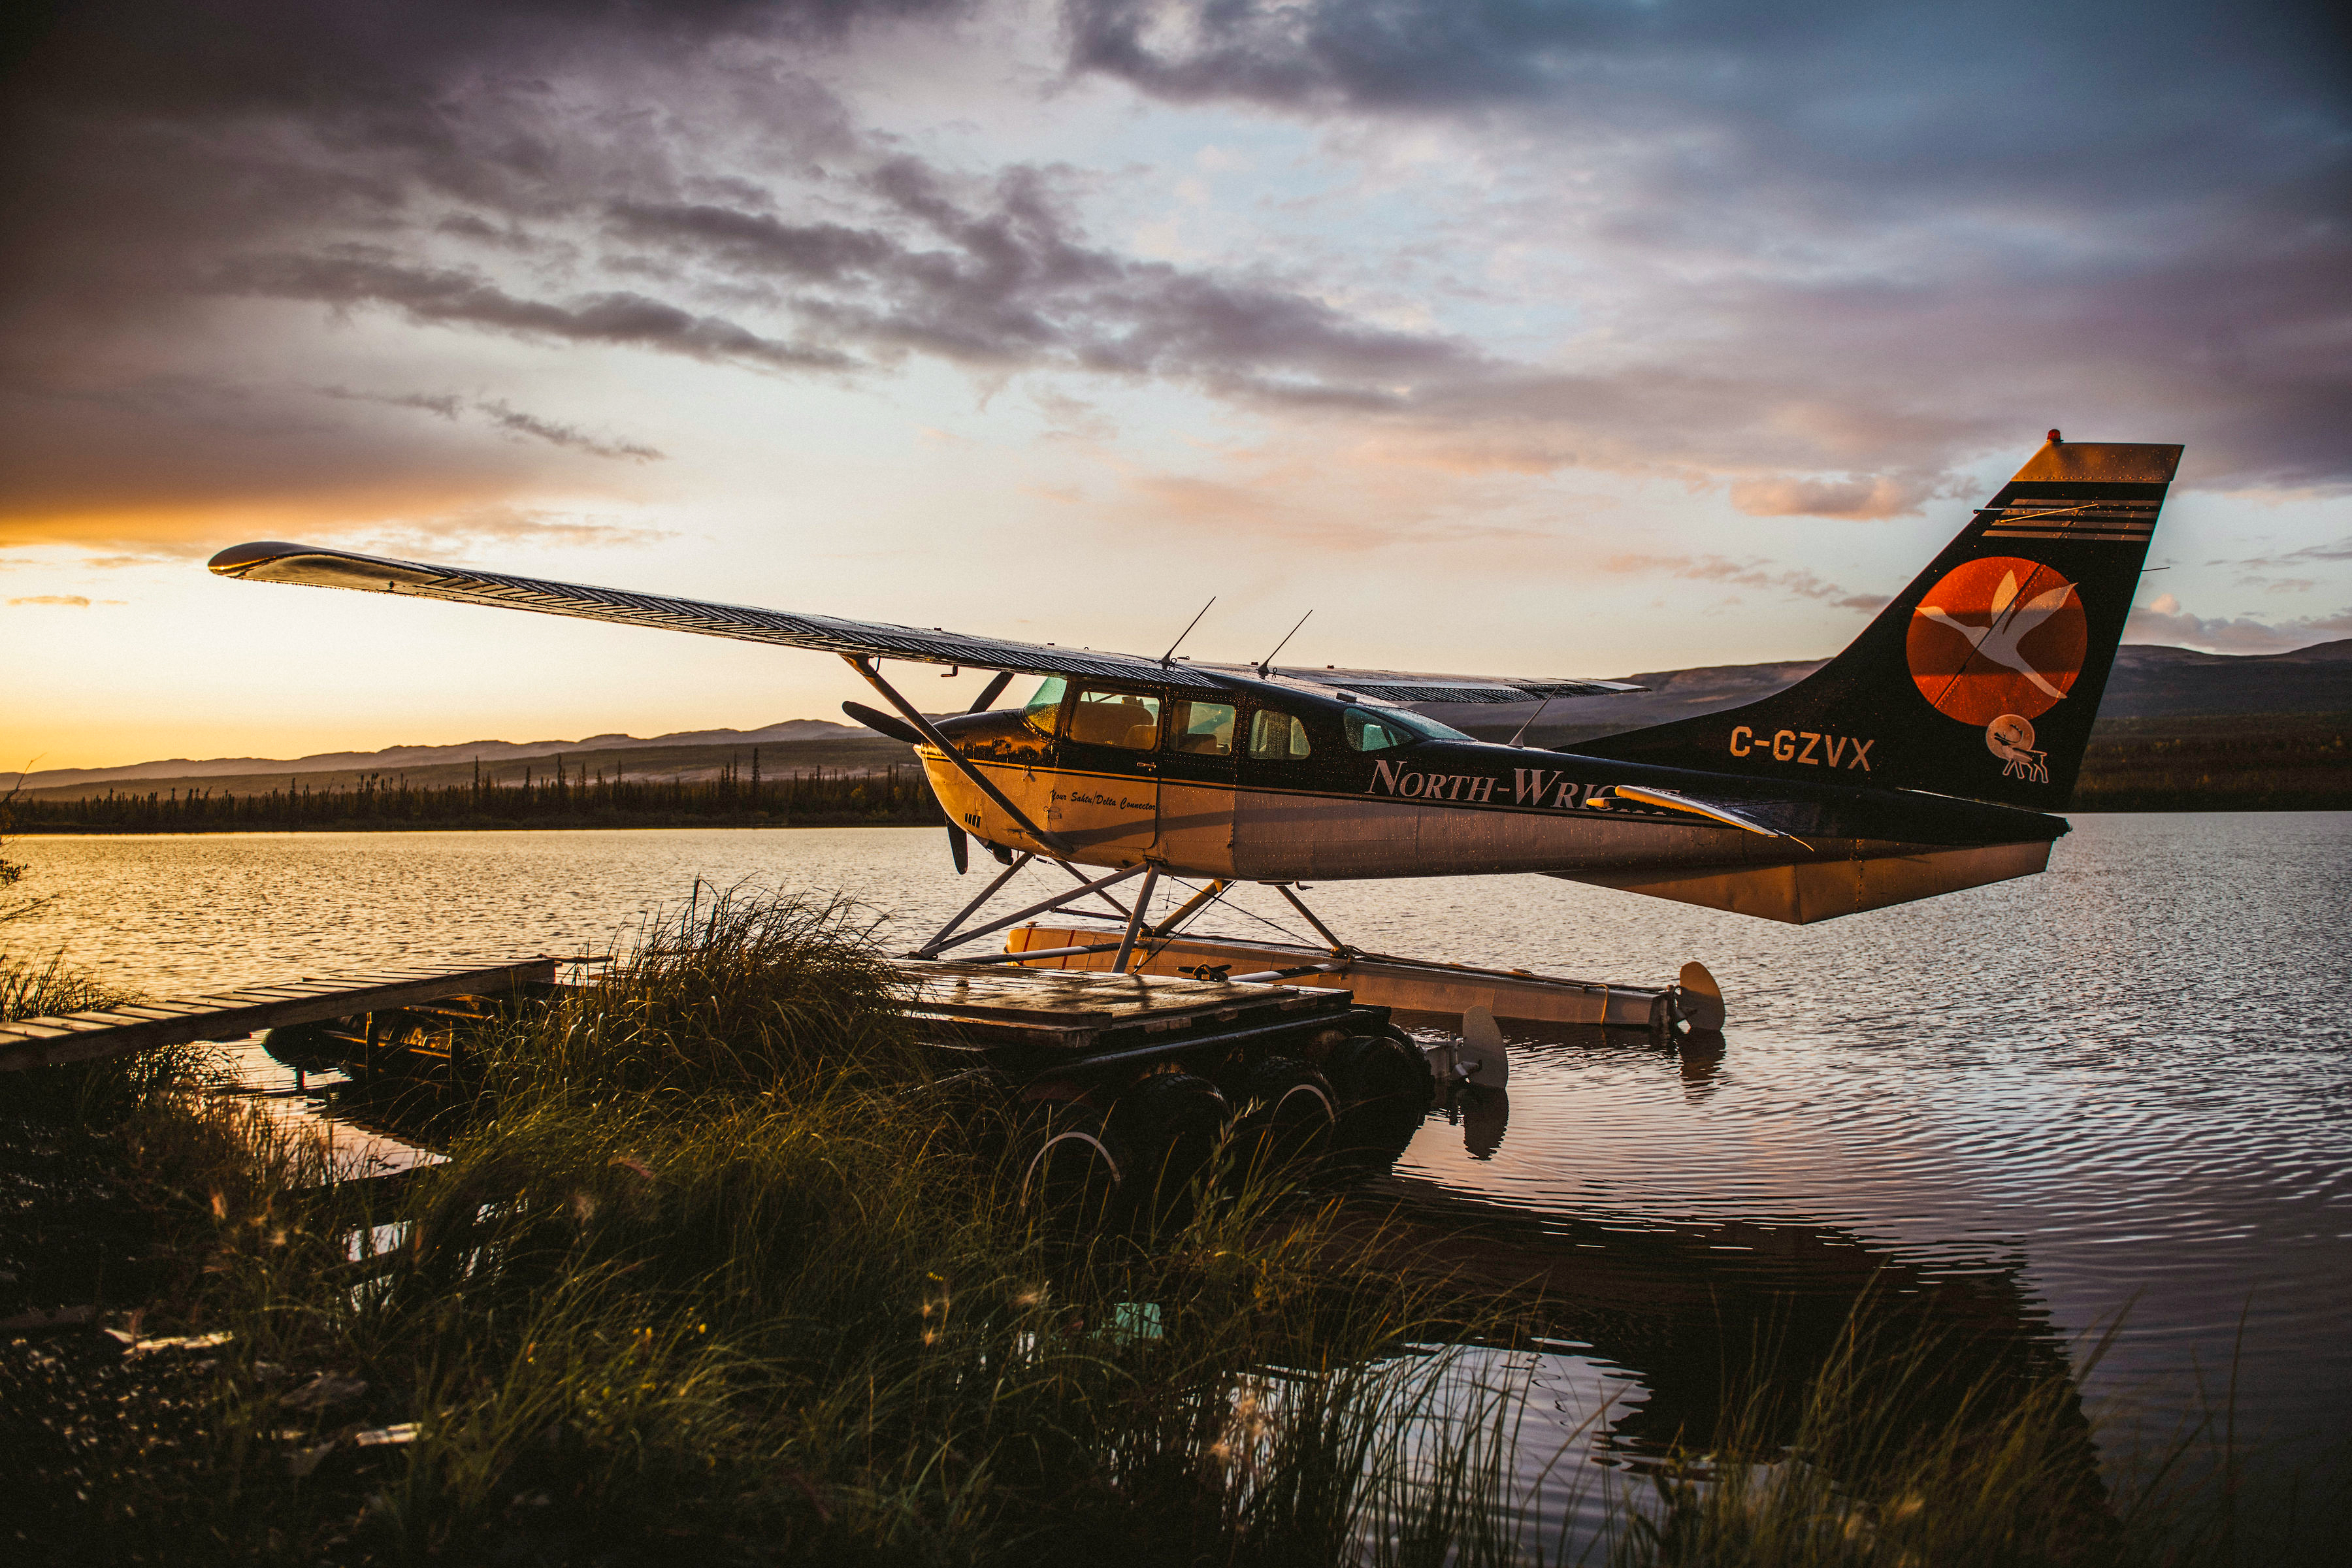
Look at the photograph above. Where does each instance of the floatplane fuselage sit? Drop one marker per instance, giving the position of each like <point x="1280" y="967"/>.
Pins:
<point x="1923" y="759"/>
<point x="1264" y="782"/>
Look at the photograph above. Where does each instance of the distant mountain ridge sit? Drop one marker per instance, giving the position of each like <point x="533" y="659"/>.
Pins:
<point x="394" y="757"/>
<point x="2150" y="681"/>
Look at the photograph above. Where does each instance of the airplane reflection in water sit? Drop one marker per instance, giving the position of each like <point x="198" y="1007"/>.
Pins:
<point x="1700" y="1314"/>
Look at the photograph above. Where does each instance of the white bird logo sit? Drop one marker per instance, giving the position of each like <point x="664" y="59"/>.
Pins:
<point x="2011" y="623"/>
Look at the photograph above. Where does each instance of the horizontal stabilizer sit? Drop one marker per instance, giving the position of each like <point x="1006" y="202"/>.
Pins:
<point x="1675" y="800"/>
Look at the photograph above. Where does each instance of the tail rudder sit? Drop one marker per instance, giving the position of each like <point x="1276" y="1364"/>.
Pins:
<point x="1983" y="678"/>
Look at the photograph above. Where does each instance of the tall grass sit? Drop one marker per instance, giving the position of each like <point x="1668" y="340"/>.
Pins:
<point x="718" y="1267"/>
<point x="721" y="1268"/>
<point x="1882" y="1457"/>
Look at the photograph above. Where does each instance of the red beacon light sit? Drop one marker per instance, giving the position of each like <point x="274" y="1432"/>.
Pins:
<point x="2056" y="440"/>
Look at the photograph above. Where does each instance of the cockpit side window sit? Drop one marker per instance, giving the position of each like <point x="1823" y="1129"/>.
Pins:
<point x="1203" y="729"/>
<point x="1044" y="711"/>
<point x="1121" y="719"/>
<point x="1369" y="731"/>
<point x="1276" y="736"/>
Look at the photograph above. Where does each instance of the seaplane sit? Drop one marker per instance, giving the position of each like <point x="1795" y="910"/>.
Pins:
<point x="1926" y="758"/>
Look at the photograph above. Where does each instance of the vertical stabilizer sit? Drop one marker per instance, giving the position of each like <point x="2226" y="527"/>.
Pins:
<point x="1983" y="678"/>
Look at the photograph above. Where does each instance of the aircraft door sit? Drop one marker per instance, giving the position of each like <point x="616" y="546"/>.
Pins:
<point x="1196" y="784"/>
<point x="1283" y="809"/>
<point x="1106" y="788"/>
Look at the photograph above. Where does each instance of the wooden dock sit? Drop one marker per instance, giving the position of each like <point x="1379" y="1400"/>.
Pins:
<point x="249" y="1010"/>
<point x="1080" y="1010"/>
<point x="1420" y="987"/>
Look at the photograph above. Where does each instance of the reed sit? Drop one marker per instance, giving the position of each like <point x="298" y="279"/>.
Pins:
<point x="721" y="1268"/>
<point x="1881" y="1458"/>
<point x="718" y="1267"/>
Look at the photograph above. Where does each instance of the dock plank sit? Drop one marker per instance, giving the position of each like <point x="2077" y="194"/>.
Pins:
<point x="234" y="1014"/>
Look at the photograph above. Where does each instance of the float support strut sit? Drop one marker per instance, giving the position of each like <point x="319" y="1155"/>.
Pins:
<point x="1338" y="949"/>
<point x="986" y="893"/>
<point x="932" y="948"/>
<point x="1192" y="906"/>
<point x="1135" y="923"/>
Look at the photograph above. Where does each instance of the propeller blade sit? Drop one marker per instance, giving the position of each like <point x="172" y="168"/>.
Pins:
<point x="990" y="692"/>
<point x="875" y="719"/>
<point x="959" y="848"/>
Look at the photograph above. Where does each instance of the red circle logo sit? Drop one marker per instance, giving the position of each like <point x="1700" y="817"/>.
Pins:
<point x="1997" y="636"/>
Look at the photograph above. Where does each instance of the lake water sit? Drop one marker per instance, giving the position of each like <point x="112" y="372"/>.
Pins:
<point x="2121" y="1091"/>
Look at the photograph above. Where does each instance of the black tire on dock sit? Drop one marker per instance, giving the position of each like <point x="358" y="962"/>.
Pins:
<point x="1173" y="1122"/>
<point x="1285" y="1112"/>
<point x="1079" y="1173"/>
<point x="1380" y="1071"/>
<point x="305" y="1047"/>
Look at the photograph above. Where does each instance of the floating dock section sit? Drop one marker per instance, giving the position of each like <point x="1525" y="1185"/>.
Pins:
<point x="1408" y="985"/>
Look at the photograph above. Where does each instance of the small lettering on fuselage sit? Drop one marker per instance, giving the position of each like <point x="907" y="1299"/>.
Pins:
<point x="1082" y="797"/>
<point x="1809" y="747"/>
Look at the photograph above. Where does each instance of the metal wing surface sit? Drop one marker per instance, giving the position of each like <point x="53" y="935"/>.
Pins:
<point x="313" y="566"/>
<point x="269" y="562"/>
<point x="1407" y="685"/>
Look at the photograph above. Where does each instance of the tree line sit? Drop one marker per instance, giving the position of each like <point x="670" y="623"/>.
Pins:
<point x="566" y="799"/>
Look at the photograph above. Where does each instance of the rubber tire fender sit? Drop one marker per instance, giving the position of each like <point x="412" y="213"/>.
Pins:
<point x="1173" y="1122"/>
<point x="1381" y="1070"/>
<point x="1287" y="1111"/>
<point x="1079" y="1175"/>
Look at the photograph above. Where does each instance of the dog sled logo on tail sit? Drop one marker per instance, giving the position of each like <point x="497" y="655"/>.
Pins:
<point x="1998" y="640"/>
<point x="2010" y="739"/>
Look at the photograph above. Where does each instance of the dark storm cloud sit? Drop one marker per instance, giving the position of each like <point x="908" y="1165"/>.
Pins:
<point x="996" y="273"/>
<point x="451" y="297"/>
<point x="2136" y="211"/>
<point x="1852" y="246"/>
<point x="556" y="434"/>
<point x="490" y="170"/>
<point x="515" y="421"/>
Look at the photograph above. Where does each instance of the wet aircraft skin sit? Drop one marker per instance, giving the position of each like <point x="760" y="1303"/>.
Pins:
<point x="1910" y="765"/>
<point x="1423" y="804"/>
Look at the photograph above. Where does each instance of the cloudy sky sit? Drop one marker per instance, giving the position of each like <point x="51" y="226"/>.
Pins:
<point x="1524" y="336"/>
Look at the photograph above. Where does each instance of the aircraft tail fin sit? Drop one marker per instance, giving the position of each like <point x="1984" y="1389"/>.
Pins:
<point x="1981" y="678"/>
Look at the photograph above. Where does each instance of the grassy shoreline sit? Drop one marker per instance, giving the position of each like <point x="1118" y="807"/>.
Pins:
<point x="723" y="1269"/>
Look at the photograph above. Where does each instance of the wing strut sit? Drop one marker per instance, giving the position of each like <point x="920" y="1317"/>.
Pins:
<point x="871" y="671"/>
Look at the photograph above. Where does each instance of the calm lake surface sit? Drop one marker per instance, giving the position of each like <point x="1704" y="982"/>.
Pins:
<point x="2118" y="1091"/>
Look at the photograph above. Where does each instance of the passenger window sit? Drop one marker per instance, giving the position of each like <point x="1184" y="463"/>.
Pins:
<point x="1119" y="719"/>
<point x="1043" y="713"/>
<point x="1204" y="729"/>
<point x="1368" y="733"/>
<point x="1276" y="735"/>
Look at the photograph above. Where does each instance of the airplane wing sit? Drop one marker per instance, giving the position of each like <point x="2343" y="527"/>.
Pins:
<point x="273" y="562"/>
<point x="1406" y="686"/>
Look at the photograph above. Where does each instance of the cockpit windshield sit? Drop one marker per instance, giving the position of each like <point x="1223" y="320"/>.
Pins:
<point x="1378" y="729"/>
<point x="1044" y="711"/>
<point x="1421" y="724"/>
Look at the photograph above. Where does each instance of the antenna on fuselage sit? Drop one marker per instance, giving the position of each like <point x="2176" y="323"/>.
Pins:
<point x="1185" y="633"/>
<point x="1280" y="646"/>
<point x="1531" y="720"/>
